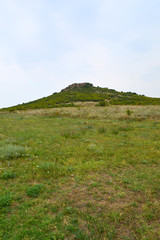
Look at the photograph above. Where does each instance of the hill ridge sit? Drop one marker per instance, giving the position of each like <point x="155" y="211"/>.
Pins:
<point x="85" y="92"/>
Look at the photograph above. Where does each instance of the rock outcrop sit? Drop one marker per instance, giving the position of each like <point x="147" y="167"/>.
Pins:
<point x="76" y="86"/>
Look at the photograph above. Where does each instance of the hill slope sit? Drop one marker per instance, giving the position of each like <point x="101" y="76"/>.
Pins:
<point x="82" y="92"/>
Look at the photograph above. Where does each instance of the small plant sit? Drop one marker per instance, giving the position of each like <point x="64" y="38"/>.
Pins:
<point x="115" y="131"/>
<point x="102" y="130"/>
<point x="34" y="191"/>
<point x="5" y="200"/>
<point x="11" y="151"/>
<point x="121" y="194"/>
<point x="71" y="134"/>
<point x="90" y="126"/>
<point x="8" y="175"/>
<point x="129" y="112"/>
<point x="46" y="167"/>
<point x="11" y="141"/>
<point x="102" y="103"/>
<point x="125" y="128"/>
<point x="49" y="169"/>
<point x="70" y="169"/>
<point x="95" y="149"/>
<point x="54" y="209"/>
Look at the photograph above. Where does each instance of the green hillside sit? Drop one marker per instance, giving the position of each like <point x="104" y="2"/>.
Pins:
<point x="84" y="92"/>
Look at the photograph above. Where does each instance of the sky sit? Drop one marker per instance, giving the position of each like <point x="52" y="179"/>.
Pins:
<point x="45" y="45"/>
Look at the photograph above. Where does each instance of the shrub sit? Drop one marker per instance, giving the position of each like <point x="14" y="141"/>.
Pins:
<point x="11" y="110"/>
<point x="8" y="175"/>
<point x="5" y="200"/>
<point x="34" y="191"/>
<point x="11" y="151"/>
<point x="129" y="112"/>
<point x="102" y="103"/>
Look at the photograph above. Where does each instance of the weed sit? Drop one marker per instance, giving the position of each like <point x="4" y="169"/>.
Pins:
<point x="70" y="169"/>
<point x="11" y="141"/>
<point x="46" y="167"/>
<point x="49" y="169"/>
<point x="129" y="112"/>
<point x="115" y="132"/>
<point x="101" y="130"/>
<point x="121" y="194"/>
<point x="68" y="210"/>
<point x="125" y="128"/>
<point x="71" y="134"/>
<point x="54" y="209"/>
<point x="34" y="191"/>
<point x="133" y="204"/>
<point x="5" y="200"/>
<point x="93" y="148"/>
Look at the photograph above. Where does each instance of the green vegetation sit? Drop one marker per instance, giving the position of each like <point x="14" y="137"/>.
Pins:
<point x="7" y="175"/>
<point x="11" y="151"/>
<point x="5" y="200"/>
<point x="34" y="191"/>
<point x="102" y="103"/>
<point x="86" y="92"/>
<point x="129" y="112"/>
<point x="80" y="173"/>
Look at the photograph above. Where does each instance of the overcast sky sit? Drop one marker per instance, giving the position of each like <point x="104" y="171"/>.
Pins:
<point x="45" y="45"/>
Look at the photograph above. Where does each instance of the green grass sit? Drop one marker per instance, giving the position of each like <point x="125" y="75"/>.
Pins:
<point x="79" y="177"/>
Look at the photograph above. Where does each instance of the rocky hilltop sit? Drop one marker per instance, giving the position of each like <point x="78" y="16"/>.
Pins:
<point x="77" y="86"/>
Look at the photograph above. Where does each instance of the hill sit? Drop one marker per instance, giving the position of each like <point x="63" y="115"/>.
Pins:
<point x="84" y="92"/>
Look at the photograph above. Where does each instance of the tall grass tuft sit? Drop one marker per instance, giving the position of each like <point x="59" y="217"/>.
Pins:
<point x="49" y="169"/>
<point x="11" y="151"/>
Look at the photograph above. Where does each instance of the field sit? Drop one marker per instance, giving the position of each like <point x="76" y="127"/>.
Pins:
<point x="80" y="173"/>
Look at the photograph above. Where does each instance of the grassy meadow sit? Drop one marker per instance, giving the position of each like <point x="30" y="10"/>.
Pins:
<point x="80" y="173"/>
